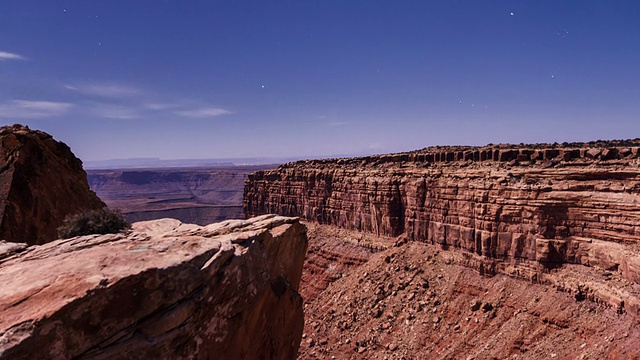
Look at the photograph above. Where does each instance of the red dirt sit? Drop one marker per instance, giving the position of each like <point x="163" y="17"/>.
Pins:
<point x="415" y="301"/>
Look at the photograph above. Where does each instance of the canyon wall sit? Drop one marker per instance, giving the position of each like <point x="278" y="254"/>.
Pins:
<point x="41" y="182"/>
<point x="518" y="210"/>
<point x="166" y="290"/>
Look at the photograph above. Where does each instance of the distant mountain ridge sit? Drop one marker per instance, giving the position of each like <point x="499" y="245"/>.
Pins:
<point x="155" y="163"/>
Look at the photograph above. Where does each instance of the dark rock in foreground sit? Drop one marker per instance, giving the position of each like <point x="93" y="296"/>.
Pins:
<point x="41" y="182"/>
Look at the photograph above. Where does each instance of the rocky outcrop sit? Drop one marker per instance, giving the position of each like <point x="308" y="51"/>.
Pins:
<point x="41" y="182"/>
<point x="519" y="210"/>
<point x="166" y="290"/>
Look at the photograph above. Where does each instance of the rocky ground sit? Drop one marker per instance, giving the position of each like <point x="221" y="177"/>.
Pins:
<point x="369" y="297"/>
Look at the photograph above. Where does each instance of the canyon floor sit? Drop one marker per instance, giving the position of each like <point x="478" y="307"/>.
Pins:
<point x="370" y="297"/>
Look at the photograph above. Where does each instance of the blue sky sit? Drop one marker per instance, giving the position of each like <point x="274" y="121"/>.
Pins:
<point x="215" y="79"/>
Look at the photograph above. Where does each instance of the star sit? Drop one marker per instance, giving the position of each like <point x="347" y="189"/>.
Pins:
<point x="262" y="86"/>
<point x="511" y="14"/>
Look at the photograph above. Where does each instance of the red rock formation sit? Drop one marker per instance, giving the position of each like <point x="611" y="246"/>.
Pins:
<point x="165" y="291"/>
<point x="41" y="182"/>
<point x="516" y="210"/>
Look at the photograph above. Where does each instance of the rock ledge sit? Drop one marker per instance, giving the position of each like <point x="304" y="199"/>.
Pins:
<point x="166" y="290"/>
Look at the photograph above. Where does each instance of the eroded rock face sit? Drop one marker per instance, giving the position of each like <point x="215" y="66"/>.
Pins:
<point x="41" y="182"/>
<point x="514" y="210"/>
<point x="167" y="290"/>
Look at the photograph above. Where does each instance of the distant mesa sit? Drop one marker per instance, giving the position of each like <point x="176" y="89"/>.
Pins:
<point x="41" y="182"/>
<point x="157" y="163"/>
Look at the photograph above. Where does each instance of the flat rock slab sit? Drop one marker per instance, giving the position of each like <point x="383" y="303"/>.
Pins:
<point x="166" y="290"/>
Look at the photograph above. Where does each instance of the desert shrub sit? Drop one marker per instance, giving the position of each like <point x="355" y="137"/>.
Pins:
<point x="102" y="221"/>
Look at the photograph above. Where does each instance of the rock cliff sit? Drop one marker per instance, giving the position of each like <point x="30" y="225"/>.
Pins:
<point x="166" y="290"/>
<point x="41" y="182"/>
<point x="519" y="210"/>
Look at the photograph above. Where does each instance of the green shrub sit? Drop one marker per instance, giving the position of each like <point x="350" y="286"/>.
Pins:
<point x="103" y="221"/>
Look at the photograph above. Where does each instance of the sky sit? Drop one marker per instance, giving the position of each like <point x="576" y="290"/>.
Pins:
<point x="217" y="79"/>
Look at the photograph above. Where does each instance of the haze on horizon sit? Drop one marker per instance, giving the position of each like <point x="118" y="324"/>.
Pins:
<point x="202" y="79"/>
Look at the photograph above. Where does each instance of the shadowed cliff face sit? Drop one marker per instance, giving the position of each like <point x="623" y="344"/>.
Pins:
<point x="511" y="210"/>
<point x="41" y="182"/>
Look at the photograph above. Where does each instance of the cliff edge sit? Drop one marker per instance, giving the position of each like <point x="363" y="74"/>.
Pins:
<point x="167" y="290"/>
<point x="41" y="182"/>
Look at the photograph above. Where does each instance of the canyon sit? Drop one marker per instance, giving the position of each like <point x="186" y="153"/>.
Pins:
<point x="200" y="195"/>
<point x="550" y="226"/>
<point x="502" y="251"/>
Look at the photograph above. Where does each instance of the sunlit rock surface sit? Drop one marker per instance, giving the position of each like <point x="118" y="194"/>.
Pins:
<point x="166" y="290"/>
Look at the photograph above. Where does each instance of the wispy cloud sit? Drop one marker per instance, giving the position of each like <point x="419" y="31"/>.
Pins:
<point x="159" y="106"/>
<point x="30" y="109"/>
<point x="122" y="100"/>
<point x="10" y="56"/>
<point x="112" y="111"/>
<point x="110" y="90"/>
<point x="202" y="113"/>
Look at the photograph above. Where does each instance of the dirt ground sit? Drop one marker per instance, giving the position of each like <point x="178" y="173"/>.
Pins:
<point x="380" y="298"/>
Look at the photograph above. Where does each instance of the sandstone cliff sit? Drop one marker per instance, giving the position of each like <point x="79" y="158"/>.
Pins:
<point x="167" y="290"/>
<point x="41" y="182"/>
<point x="518" y="210"/>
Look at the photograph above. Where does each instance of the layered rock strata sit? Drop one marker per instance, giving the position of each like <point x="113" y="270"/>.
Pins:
<point x="41" y="182"/>
<point x="166" y="290"/>
<point x="516" y="210"/>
